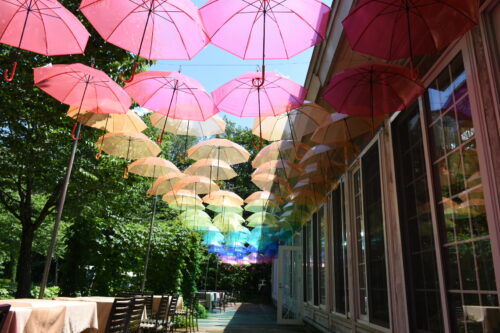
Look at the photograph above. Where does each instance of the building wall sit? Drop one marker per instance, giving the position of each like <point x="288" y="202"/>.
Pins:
<point x="447" y="295"/>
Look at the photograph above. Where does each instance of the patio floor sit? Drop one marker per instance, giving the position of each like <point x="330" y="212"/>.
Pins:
<point x="246" y="318"/>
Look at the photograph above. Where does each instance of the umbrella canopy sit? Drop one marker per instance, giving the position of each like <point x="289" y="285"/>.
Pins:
<point x="262" y="195"/>
<point x="195" y="215"/>
<point x="227" y="209"/>
<point x="42" y="26"/>
<point x="114" y="122"/>
<point x="239" y="238"/>
<point x="284" y="168"/>
<point x="152" y="167"/>
<point x="219" y="149"/>
<point x="280" y="150"/>
<point x="229" y="222"/>
<point x="322" y="154"/>
<point x="223" y="199"/>
<point x="166" y="30"/>
<point x="165" y="183"/>
<point x="171" y="94"/>
<point x="315" y="183"/>
<point x="292" y="125"/>
<point x="84" y="87"/>
<point x="261" y="205"/>
<point x="196" y="184"/>
<point x="373" y="89"/>
<point x="324" y="168"/>
<point x="340" y="128"/>
<point x="128" y="145"/>
<point x="182" y="198"/>
<point x="307" y="198"/>
<point x="262" y="218"/>
<point x="241" y="98"/>
<point x="212" y="168"/>
<point x="212" y="126"/>
<point x="395" y="29"/>
<point x="265" y="181"/>
<point x="271" y="29"/>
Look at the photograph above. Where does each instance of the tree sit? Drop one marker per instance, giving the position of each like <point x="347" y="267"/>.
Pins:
<point x="34" y="140"/>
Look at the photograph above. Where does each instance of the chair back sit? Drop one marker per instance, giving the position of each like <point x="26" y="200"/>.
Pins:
<point x="128" y="293"/>
<point x="149" y="302"/>
<point x="172" y="308"/>
<point x="4" y="311"/>
<point x="161" y="314"/>
<point x="136" y="312"/>
<point x="119" y="318"/>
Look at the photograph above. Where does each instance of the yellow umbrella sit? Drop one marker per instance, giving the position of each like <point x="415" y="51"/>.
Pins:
<point x="209" y="167"/>
<point x="212" y="126"/>
<point x="220" y="149"/>
<point x="281" y="167"/>
<point x="223" y="199"/>
<point x="196" y="184"/>
<point x="341" y="128"/>
<point x="280" y="150"/>
<point x="260" y="205"/>
<point x="182" y="198"/>
<point x="229" y="222"/>
<point x="152" y="167"/>
<point x="292" y="125"/>
<point x="113" y="122"/>
<point x="263" y="195"/>
<point x="165" y="183"/>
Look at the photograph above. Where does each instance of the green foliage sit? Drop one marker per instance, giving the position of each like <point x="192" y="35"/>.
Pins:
<point x="202" y="312"/>
<point x="50" y="292"/>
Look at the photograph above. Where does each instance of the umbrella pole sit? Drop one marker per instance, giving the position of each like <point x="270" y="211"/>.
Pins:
<point x="159" y="140"/>
<point x="125" y="172"/>
<point x="148" y="251"/>
<point x="206" y="270"/>
<point x="62" y="199"/>
<point x="99" y="154"/>
<point x="6" y="76"/>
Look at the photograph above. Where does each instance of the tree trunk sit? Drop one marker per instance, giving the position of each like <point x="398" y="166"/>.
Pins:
<point x="24" y="262"/>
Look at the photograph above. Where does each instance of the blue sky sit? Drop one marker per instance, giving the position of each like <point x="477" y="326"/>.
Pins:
<point x="213" y="67"/>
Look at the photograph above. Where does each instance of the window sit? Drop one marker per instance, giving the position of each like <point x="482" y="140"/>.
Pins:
<point x="315" y="254"/>
<point x="360" y="244"/>
<point x="309" y="262"/>
<point x="417" y="233"/>
<point x="461" y="212"/>
<point x="321" y="221"/>
<point x="341" y="292"/>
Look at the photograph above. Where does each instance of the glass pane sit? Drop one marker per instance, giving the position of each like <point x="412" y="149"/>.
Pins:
<point x="339" y="252"/>
<point x="322" y="256"/>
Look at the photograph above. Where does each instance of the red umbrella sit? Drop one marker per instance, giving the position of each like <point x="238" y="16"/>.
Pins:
<point x="249" y="96"/>
<point x="173" y="95"/>
<point x="88" y="89"/>
<point x="155" y="30"/>
<point x="395" y="29"/>
<point x="40" y="26"/>
<point x="373" y="89"/>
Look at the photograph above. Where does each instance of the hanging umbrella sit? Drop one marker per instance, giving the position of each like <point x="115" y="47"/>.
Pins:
<point x="261" y="219"/>
<point x="152" y="167"/>
<point x="283" y="168"/>
<point x="323" y="155"/>
<point x="196" y="184"/>
<point x="261" y="205"/>
<point x="113" y="122"/>
<point x="263" y="195"/>
<point x="340" y="128"/>
<point x="324" y="168"/>
<point x="194" y="215"/>
<point x="373" y="89"/>
<point x="245" y="97"/>
<point x="155" y="30"/>
<point x="307" y="198"/>
<point x="89" y="89"/>
<point x="223" y="199"/>
<point x="315" y="183"/>
<point x="182" y="198"/>
<point x="212" y="126"/>
<point x="128" y="145"/>
<point x="280" y="150"/>
<point x="395" y="29"/>
<point x="220" y="149"/>
<point x="265" y="181"/>
<point x="41" y="26"/>
<point x="165" y="183"/>
<point x="229" y="222"/>
<point x="292" y="125"/>
<point x="209" y="166"/>
<point x="221" y="209"/>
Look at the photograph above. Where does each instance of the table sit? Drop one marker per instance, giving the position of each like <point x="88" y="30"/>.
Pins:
<point x="157" y="299"/>
<point x="211" y="298"/>
<point x="104" y="305"/>
<point x="488" y="316"/>
<point x="49" y="316"/>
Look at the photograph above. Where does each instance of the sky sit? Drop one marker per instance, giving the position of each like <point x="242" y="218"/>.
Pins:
<point x="213" y="67"/>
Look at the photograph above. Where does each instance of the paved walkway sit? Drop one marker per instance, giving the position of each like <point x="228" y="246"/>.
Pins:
<point x="246" y="318"/>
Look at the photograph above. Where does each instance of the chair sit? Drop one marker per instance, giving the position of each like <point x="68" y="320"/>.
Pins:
<point x="136" y="313"/>
<point x="4" y="311"/>
<point x="172" y="308"/>
<point x="195" y="312"/>
<point x="164" y="316"/>
<point x="119" y="317"/>
<point x="149" y="302"/>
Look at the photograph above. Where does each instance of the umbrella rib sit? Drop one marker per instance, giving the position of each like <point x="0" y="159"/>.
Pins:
<point x="180" y="35"/>
<point x="230" y="17"/>
<point x="251" y="31"/>
<point x="280" y="33"/>
<point x="457" y="10"/>
<point x="82" y="49"/>
<point x="122" y="20"/>
<point x="12" y="18"/>
<point x="246" y="101"/>
<point x="307" y="23"/>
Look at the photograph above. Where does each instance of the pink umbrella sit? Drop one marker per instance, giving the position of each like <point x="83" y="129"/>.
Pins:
<point x="152" y="29"/>
<point x="173" y="95"/>
<point x="40" y="26"/>
<point x="88" y="89"/>
<point x="249" y="96"/>
<point x="267" y="29"/>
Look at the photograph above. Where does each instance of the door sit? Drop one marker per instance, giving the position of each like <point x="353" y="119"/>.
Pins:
<point x="290" y="285"/>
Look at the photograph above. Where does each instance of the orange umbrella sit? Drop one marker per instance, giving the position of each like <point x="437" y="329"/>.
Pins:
<point x="342" y="128"/>
<point x="128" y="145"/>
<point x="307" y="198"/>
<point x="283" y="149"/>
<point x="220" y="149"/>
<point x="182" y="199"/>
<point x="265" y="182"/>
<point x="209" y="166"/>
<point x="113" y="122"/>
<point x="262" y="195"/>
<point x="322" y="169"/>
<point x="285" y="168"/>
<point x="223" y="199"/>
<point x="212" y="126"/>
<point x="324" y="155"/>
<point x="292" y="125"/>
<point x="315" y="183"/>
<point x="196" y="184"/>
<point x="165" y="183"/>
<point x="152" y="167"/>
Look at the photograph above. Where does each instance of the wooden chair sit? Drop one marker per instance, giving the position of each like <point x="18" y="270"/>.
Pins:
<point x="136" y="313"/>
<point x="4" y="311"/>
<point x="149" y="302"/>
<point x="172" y="308"/>
<point x="119" y="318"/>
<point x="159" y="322"/>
